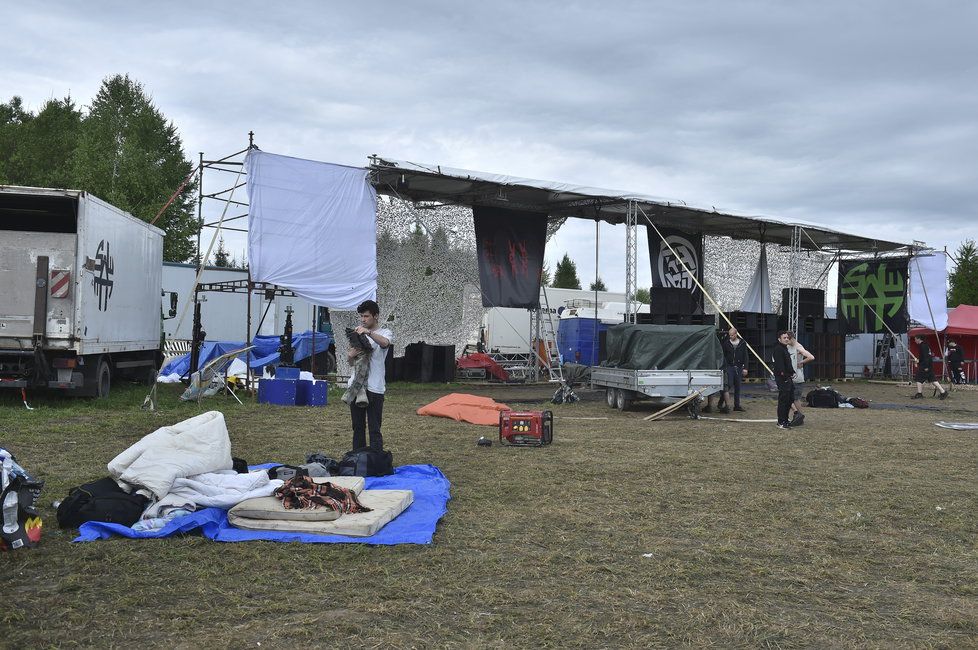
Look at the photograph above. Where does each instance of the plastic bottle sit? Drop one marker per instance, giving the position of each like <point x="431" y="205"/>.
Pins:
<point x="10" y="504"/>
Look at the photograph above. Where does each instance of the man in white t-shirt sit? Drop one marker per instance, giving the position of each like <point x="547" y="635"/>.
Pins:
<point x="370" y="416"/>
<point x="799" y="357"/>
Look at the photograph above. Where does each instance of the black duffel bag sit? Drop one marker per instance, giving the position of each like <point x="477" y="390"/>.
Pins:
<point x="101" y="500"/>
<point x="366" y="462"/>
<point x="823" y="398"/>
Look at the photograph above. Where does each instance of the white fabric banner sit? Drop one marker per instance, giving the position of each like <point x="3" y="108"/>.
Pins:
<point x="312" y="228"/>
<point x="758" y="296"/>
<point x="928" y="290"/>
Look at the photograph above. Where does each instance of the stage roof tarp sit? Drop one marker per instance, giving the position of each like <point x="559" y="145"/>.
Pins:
<point x="421" y="182"/>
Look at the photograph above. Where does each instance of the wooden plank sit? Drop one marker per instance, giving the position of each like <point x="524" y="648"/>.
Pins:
<point x="673" y="407"/>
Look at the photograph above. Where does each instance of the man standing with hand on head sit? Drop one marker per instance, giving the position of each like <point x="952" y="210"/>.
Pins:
<point x="799" y="357"/>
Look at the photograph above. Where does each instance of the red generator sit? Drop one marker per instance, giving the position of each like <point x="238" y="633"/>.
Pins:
<point x="526" y="428"/>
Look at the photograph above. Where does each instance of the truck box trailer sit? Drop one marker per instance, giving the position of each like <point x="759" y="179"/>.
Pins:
<point x="80" y="286"/>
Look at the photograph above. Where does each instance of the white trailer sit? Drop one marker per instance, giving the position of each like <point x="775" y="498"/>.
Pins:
<point x="507" y="331"/>
<point x="80" y="285"/>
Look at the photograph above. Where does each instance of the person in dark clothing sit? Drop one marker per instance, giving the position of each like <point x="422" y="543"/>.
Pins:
<point x="925" y="369"/>
<point x="784" y="373"/>
<point x="371" y="414"/>
<point x="735" y="363"/>
<point x="955" y="361"/>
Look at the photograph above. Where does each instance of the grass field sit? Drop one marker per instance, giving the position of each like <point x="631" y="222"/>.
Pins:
<point x="858" y="529"/>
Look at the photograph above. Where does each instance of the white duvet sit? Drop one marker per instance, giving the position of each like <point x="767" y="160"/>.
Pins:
<point x="195" y="446"/>
<point x="213" y="490"/>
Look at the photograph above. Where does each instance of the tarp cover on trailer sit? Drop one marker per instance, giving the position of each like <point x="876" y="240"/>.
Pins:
<point x="663" y="347"/>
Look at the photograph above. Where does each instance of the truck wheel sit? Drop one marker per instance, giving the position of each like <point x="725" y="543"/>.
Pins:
<point x="609" y="397"/>
<point x="103" y="379"/>
<point x="622" y="400"/>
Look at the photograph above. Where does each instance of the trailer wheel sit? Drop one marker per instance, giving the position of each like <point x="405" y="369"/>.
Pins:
<point x="609" y="397"/>
<point x="622" y="400"/>
<point x="103" y="379"/>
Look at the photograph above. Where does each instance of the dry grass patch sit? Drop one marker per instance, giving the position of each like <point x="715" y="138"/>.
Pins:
<point x="858" y="528"/>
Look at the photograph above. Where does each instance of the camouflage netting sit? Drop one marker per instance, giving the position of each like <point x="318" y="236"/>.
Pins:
<point x="729" y="266"/>
<point x="428" y="275"/>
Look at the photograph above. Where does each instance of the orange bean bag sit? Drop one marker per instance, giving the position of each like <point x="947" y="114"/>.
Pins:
<point x="465" y="408"/>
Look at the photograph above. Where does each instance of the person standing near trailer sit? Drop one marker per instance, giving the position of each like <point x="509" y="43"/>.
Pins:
<point x="799" y="357"/>
<point x="735" y="364"/>
<point x="925" y="369"/>
<point x="371" y="415"/>
<point x="784" y="373"/>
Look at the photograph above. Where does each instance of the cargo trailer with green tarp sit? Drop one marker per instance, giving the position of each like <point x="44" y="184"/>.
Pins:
<point x="663" y="363"/>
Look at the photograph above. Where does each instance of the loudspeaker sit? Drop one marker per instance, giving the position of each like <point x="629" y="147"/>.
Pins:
<point x="671" y="300"/>
<point x="811" y="302"/>
<point x="442" y="363"/>
<point x="412" y="361"/>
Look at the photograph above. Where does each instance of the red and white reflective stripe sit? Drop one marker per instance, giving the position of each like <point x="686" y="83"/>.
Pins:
<point x="60" y="282"/>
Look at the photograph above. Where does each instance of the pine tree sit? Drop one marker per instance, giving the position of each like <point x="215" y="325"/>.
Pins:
<point x="565" y="277"/>
<point x="598" y="285"/>
<point x="545" y="279"/>
<point x="130" y="155"/>
<point x="964" y="278"/>
<point x="222" y="257"/>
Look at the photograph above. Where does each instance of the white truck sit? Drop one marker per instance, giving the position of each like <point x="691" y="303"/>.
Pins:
<point x="80" y="286"/>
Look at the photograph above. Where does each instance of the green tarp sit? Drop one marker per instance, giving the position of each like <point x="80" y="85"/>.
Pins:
<point x="663" y="347"/>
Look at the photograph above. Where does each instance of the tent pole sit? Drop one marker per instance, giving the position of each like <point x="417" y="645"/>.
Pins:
<point x="594" y="338"/>
<point x="248" y="337"/>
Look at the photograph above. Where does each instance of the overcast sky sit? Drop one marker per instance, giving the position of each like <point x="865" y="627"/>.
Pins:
<point x="862" y="116"/>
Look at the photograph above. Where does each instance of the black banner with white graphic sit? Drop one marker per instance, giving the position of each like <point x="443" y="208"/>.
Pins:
<point x="866" y="287"/>
<point x="510" y="245"/>
<point x="667" y="271"/>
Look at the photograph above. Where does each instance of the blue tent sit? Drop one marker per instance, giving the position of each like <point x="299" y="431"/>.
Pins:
<point x="265" y="352"/>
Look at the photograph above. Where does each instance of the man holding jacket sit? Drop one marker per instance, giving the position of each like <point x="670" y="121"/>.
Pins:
<point x="784" y="372"/>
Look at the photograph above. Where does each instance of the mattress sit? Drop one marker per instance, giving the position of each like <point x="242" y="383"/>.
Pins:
<point x="384" y="506"/>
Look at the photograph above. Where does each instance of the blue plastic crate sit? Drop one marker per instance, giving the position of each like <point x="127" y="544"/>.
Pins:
<point x="277" y="391"/>
<point x="312" y="393"/>
<point x="287" y="372"/>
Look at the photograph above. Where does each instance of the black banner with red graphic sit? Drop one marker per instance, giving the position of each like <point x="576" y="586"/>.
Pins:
<point x="510" y="245"/>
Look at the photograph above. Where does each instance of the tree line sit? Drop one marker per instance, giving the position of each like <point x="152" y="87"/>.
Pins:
<point x="565" y="277"/>
<point x="120" y="148"/>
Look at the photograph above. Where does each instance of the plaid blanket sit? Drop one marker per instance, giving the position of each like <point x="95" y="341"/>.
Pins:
<point x="357" y="392"/>
<point x="301" y="492"/>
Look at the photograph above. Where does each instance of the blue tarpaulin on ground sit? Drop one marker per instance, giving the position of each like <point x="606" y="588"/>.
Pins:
<point x="416" y="525"/>
<point x="265" y="352"/>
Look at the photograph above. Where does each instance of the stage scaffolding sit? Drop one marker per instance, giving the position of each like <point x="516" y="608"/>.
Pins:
<point x="225" y="197"/>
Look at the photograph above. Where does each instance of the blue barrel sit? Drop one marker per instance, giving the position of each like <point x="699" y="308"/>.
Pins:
<point x="577" y="341"/>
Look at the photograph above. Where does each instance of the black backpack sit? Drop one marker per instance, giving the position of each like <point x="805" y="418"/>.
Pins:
<point x="101" y="500"/>
<point x="823" y="398"/>
<point x="366" y="462"/>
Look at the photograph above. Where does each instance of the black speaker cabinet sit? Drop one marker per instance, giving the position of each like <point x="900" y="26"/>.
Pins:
<point x="811" y="302"/>
<point x="442" y="363"/>
<point x="671" y="300"/>
<point x="412" y="361"/>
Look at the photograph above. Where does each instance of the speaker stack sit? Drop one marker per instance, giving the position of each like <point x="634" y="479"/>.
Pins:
<point x="424" y="363"/>
<point x="673" y="306"/>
